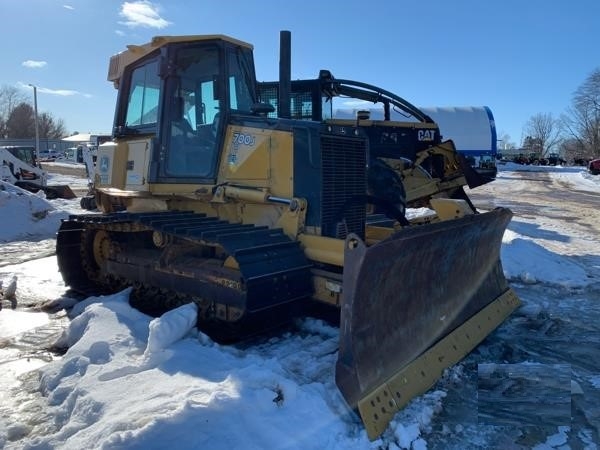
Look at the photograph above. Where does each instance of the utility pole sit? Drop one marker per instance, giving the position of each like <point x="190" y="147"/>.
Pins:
<point x="37" y="129"/>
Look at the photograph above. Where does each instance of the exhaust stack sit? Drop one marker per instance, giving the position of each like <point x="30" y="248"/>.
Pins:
<point x="285" y="74"/>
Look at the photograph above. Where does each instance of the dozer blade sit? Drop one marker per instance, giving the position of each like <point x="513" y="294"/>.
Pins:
<point x="59" y="191"/>
<point x="415" y="304"/>
<point x="52" y="191"/>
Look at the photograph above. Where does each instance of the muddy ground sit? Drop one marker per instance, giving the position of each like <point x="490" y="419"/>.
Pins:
<point x="539" y="371"/>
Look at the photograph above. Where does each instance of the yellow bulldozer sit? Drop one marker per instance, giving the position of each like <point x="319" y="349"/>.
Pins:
<point x="251" y="201"/>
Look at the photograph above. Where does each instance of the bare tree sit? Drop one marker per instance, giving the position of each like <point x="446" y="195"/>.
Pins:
<point x="10" y="97"/>
<point x="573" y="151"/>
<point x="17" y="117"/>
<point x="582" y="119"/>
<point x="533" y="145"/>
<point x="50" y="128"/>
<point x="505" y="142"/>
<point x="544" y="130"/>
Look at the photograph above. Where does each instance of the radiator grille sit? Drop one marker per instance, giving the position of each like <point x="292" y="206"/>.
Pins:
<point x="344" y="186"/>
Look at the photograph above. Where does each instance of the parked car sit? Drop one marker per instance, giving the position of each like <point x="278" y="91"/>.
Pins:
<point x="594" y="166"/>
<point x="49" y="155"/>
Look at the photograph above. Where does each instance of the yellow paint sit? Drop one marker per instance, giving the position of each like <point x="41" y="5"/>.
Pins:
<point x="379" y="406"/>
<point x="323" y="249"/>
<point x="111" y="165"/>
<point x="375" y="234"/>
<point x="257" y="157"/>
<point x="138" y="158"/>
<point x="327" y="290"/>
<point x="449" y="209"/>
<point x="120" y="61"/>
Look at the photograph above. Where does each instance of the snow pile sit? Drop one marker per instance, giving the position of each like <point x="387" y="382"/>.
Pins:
<point x="10" y="290"/>
<point x="29" y="215"/>
<point x="577" y="174"/>
<point x="129" y="381"/>
<point x="526" y="261"/>
<point x="541" y="250"/>
<point x="411" y="423"/>
<point x="170" y="328"/>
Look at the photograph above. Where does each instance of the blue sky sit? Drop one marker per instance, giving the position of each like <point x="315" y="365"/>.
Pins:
<point x="518" y="57"/>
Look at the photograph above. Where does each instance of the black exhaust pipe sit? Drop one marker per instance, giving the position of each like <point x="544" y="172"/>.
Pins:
<point x="285" y="74"/>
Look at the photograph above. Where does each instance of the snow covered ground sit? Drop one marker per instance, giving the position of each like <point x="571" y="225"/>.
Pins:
<point x="130" y="381"/>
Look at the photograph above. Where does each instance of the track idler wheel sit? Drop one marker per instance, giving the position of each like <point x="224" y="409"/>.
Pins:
<point x="101" y="247"/>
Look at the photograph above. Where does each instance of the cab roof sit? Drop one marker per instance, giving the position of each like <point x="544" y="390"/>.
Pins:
<point x="133" y="53"/>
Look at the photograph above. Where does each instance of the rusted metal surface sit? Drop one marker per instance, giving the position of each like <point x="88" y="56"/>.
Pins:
<point x="403" y="295"/>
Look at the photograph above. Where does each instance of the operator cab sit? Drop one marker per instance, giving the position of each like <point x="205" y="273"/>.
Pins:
<point x="182" y="93"/>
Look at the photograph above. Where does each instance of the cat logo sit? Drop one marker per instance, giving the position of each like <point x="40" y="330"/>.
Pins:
<point x="426" y="135"/>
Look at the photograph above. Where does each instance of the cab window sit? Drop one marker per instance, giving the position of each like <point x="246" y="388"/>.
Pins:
<point x="144" y="94"/>
<point x="241" y="74"/>
<point x="194" y="127"/>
